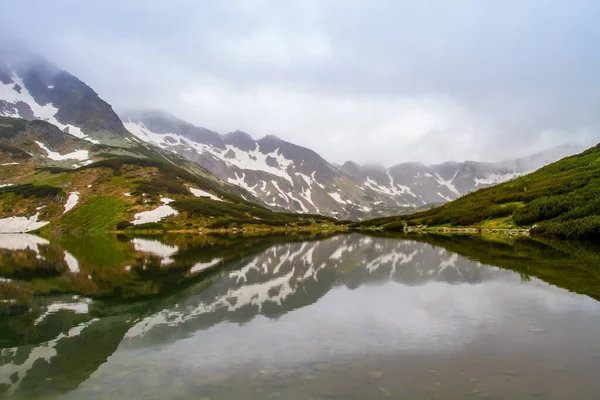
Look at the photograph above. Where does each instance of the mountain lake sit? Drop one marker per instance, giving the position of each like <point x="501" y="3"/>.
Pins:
<point x="307" y="316"/>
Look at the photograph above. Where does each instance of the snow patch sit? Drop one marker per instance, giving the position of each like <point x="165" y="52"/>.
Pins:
<point x="21" y="224"/>
<point x="393" y="190"/>
<point x="147" y="135"/>
<point x="493" y="179"/>
<point x="72" y="262"/>
<point x="155" y="215"/>
<point x="202" y="193"/>
<point x="80" y="155"/>
<point x="9" y="163"/>
<point x="253" y="160"/>
<point x="448" y="183"/>
<point x="71" y="201"/>
<point x="337" y="197"/>
<point x="444" y="197"/>
<point x="256" y="161"/>
<point x="240" y="181"/>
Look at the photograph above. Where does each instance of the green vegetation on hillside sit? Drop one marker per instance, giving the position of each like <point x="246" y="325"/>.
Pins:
<point x="29" y="190"/>
<point x="97" y="214"/>
<point x="111" y="191"/>
<point x="229" y="215"/>
<point x="561" y="200"/>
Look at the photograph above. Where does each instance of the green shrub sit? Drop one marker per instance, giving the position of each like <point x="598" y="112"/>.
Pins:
<point x="29" y="190"/>
<point x="394" y="226"/>
<point x="123" y="225"/>
<point x="148" y="226"/>
<point x="587" y="228"/>
<point x="53" y="170"/>
<point x="158" y="186"/>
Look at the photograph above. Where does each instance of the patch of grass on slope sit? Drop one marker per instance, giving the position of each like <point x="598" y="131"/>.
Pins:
<point x="97" y="214"/>
<point x="29" y="190"/>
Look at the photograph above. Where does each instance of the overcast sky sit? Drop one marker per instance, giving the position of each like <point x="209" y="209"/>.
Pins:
<point x="371" y="81"/>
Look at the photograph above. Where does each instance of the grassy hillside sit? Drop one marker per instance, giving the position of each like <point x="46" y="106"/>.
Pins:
<point x="560" y="200"/>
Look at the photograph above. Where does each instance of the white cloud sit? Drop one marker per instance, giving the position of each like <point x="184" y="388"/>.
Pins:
<point x="272" y="46"/>
<point x="388" y="83"/>
<point x="364" y="128"/>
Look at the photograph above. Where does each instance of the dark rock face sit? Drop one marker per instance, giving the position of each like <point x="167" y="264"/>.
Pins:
<point x="20" y="139"/>
<point x="49" y="133"/>
<point x="79" y="105"/>
<point x="241" y="140"/>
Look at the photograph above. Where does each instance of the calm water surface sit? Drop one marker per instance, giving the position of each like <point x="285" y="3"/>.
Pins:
<point x="344" y="317"/>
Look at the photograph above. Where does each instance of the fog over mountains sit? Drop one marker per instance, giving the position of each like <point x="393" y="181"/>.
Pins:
<point x="282" y="175"/>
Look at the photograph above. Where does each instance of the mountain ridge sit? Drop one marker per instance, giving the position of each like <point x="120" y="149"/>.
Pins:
<point x="287" y="176"/>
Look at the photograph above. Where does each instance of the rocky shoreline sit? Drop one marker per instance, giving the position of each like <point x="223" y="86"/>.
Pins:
<point x="496" y="231"/>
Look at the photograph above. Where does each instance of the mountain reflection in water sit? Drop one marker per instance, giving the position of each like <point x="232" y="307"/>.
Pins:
<point x="347" y="316"/>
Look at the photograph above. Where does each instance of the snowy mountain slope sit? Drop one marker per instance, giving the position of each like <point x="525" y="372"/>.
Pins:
<point x="33" y="88"/>
<point x="279" y="173"/>
<point x="287" y="176"/>
<point x="450" y="180"/>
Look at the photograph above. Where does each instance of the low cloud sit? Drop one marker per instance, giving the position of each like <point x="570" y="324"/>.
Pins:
<point x="385" y="83"/>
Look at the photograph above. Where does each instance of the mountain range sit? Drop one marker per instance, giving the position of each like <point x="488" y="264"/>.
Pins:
<point x="284" y="175"/>
<point x="276" y="173"/>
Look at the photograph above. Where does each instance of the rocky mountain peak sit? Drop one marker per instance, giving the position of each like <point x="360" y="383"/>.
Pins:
<point x="34" y="88"/>
<point x="241" y="140"/>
